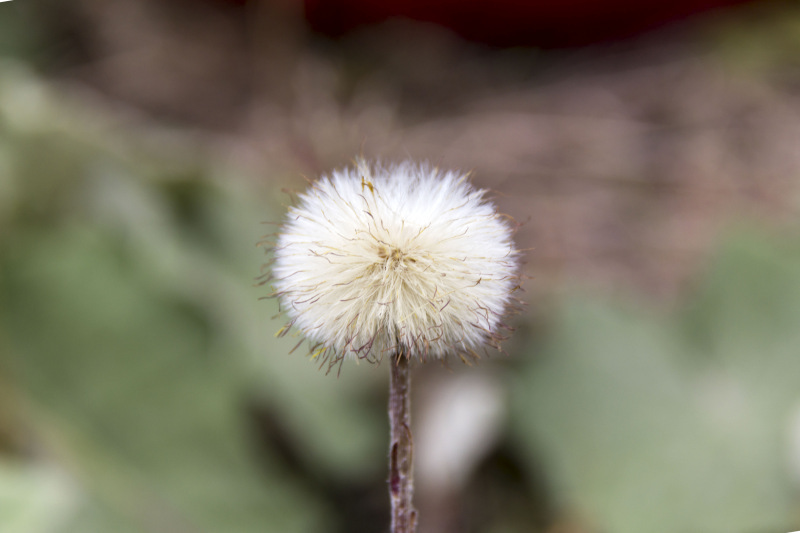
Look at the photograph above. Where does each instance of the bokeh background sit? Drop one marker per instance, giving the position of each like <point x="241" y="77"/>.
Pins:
<point x="650" y="152"/>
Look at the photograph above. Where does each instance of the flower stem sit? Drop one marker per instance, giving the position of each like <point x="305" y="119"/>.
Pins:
<point x="401" y="447"/>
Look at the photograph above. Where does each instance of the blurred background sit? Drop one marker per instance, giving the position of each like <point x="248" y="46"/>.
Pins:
<point x="649" y="151"/>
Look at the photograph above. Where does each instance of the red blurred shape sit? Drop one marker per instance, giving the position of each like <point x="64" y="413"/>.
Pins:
<point x="546" y="23"/>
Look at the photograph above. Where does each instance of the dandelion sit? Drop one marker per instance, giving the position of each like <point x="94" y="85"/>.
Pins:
<point x="406" y="262"/>
<point x="375" y="261"/>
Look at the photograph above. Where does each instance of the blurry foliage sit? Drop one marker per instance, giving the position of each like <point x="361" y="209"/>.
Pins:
<point x="134" y="342"/>
<point x="134" y="354"/>
<point x="679" y="423"/>
<point x="761" y="38"/>
<point x="20" y="33"/>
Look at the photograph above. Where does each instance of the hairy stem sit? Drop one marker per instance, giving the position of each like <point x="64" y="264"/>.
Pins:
<point x="401" y="447"/>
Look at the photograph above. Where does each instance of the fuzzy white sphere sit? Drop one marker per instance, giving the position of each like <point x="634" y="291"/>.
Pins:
<point x="402" y="259"/>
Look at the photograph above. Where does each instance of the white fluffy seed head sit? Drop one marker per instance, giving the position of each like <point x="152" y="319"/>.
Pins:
<point x="404" y="259"/>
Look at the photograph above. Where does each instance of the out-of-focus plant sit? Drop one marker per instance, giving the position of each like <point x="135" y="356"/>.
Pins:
<point x="132" y="344"/>
<point x="673" y="423"/>
<point x="136" y="366"/>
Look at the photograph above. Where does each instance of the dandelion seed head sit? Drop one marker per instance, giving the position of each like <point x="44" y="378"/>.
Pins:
<point x="405" y="259"/>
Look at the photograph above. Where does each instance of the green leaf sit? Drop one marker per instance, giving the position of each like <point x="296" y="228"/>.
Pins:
<point x="127" y="391"/>
<point x="646" y="423"/>
<point x="35" y="499"/>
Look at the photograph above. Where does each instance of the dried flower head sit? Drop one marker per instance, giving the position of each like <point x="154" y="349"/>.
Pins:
<point x="400" y="259"/>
